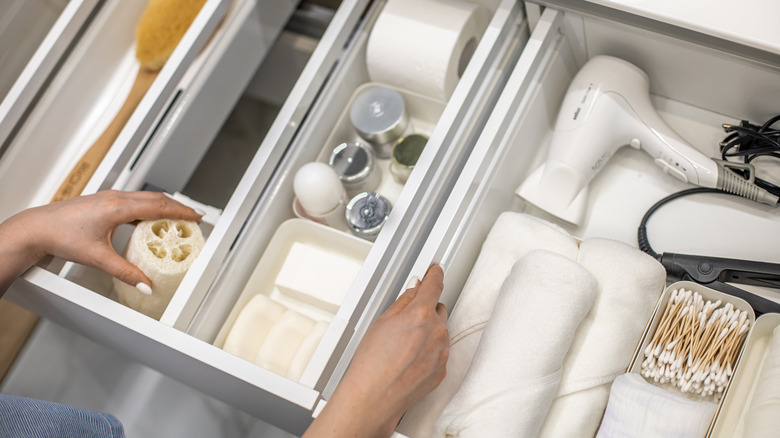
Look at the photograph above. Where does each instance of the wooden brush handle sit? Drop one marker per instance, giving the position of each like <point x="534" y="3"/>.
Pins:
<point x="81" y="173"/>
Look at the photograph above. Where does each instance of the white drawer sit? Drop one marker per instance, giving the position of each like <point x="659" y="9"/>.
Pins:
<point x="695" y="88"/>
<point x="74" y="84"/>
<point x="158" y="149"/>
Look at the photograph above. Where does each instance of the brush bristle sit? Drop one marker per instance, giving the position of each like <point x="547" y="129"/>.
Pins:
<point x="162" y="26"/>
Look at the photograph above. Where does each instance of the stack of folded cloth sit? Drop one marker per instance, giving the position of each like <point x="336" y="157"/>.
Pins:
<point x="553" y="380"/>
<point x="637" y="408"/>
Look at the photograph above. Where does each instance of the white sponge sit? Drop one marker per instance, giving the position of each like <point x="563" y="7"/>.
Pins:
<point x="252" y="326"/>
<point x="318" y="277"/>
<point x="306" y="351"/>
<point x="164" y="250"/>
<point x="282" y="342"/>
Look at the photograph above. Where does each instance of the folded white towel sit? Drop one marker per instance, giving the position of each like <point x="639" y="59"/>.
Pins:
<point x="516" y="370"/>
<point x="639" y="409"/>
<point x="630" y="283"/>
<point x="512" y="236"/>
<point x="762" y="419"/>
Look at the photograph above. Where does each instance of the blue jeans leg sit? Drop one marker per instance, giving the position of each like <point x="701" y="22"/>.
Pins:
<point x="25" y="417"/>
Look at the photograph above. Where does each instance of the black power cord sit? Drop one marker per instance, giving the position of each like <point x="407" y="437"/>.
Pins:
<point x="644" y="243"/>
<point x="747" y="142"/>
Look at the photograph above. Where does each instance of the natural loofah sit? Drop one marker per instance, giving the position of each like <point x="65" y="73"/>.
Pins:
<point x="162" y="26"/>
<point x="163" y="250"/>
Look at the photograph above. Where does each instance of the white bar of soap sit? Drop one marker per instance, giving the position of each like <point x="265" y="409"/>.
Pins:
<point x="306" y="351"/>
<point x="252" y="326"/>
<point x="321" y="278"/>
<point x="282" y="342"/>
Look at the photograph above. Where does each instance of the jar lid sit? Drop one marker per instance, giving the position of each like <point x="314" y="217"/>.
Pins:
<point x="367" y="213"/>
<point x="378" y="114"/>
<point x="407" y="150"/>
<point x="353" y="161"/>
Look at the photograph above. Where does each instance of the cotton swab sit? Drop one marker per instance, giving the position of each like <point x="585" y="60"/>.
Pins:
<point x="696" y="344"/>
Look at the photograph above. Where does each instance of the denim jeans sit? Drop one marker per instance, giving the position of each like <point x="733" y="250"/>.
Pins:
<point x="25" y="417"/>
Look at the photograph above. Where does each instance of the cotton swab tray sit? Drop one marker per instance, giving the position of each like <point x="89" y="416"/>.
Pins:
<point x="707" y="294"/>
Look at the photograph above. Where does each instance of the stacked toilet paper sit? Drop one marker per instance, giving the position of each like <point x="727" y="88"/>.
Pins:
<point x="424" y="45"/>
<point x="164" y="250"/>
<point x="274" y="337"/>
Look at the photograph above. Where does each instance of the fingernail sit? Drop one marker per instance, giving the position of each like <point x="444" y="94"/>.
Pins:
<point x="199" y="211"/>
<point x="144" y="288"/>
<point x="413" y="282"/>
<point x="440" y="265"/>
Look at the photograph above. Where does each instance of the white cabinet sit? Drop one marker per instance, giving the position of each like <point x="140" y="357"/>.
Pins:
<point x="164" y="141"/>
<point x="483" y="142"/>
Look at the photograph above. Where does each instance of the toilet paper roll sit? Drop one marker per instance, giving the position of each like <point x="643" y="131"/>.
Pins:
<point x="252" y="326"/>
<point x="164" y="250"/>
<point x="282" y="342"/>
<point x="424" y="45"/>
<point x="306" y="351"/>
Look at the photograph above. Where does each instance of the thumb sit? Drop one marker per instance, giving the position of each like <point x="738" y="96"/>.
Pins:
<point x="117" y="266"/>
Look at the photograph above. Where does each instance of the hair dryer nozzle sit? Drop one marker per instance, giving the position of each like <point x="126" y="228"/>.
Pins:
<point x="729" y="181"/>
<point x="558" y="189"/>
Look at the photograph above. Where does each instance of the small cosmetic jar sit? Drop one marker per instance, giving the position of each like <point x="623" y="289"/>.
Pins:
<point x="366" y="214"/>
<point x="355" y="165"/>
<point x="406" y="152"/>
<point x="378" y="115"/>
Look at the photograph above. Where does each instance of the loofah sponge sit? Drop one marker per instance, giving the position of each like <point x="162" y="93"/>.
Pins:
<point x="162" y="26"/>
<point x="163" y="250"/>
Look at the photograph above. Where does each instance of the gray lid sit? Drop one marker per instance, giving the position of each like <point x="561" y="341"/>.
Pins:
<point x="367" y="213"/>
<point x="378" y="115"/>
<point x="352" y="161"/>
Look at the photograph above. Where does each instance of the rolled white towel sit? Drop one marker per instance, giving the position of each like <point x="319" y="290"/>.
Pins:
<point x="637" y="409"/>
<point x="512" y="236"/>
<point x="629" y="285"/>
<point x="516" y="370"/>
<point x="762" y="419"/>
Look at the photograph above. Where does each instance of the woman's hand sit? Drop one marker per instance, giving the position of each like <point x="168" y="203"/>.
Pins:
<point x="402" y="358"/>
<point x="80" y="230"/>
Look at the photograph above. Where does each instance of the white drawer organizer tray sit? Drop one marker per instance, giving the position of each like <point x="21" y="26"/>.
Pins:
<point x="694" y="85"/>
<point x="163" y="143"/>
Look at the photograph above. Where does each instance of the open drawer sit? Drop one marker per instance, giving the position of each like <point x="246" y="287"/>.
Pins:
<point x="695" y="88"/>
<point x="185" y="342"/>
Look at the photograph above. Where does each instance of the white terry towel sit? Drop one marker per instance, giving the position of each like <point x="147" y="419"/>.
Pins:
<point x="630" y="283"/>
<point x="762" y="419"/>
<point x="516" y="370"/>
<point x="512" y="236"/>
<point x="639" y="409"/>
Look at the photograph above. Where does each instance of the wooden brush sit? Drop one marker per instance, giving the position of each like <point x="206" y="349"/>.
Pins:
<point x="162" y="26"/>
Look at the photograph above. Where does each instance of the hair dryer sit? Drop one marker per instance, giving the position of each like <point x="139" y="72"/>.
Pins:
<point x="608" y="106"/>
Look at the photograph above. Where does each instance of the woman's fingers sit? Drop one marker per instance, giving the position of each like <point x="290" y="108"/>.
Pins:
<point x="152" y="205"/>
<point x="429" y="291"/>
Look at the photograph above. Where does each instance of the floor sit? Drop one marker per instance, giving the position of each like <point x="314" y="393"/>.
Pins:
<point x="59" y="365"/>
